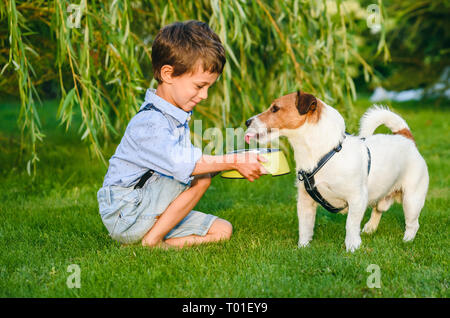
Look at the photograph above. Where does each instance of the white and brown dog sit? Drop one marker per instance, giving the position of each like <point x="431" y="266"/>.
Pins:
<point x="365" y="170"/>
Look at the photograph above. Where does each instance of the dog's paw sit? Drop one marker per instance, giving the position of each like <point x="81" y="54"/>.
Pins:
<point x="352" y="244"/>
<point x="369" y="228"/>
<point x="303" y="244"/>
<point x="410" y="233"/>
<point x="409" y="236"/>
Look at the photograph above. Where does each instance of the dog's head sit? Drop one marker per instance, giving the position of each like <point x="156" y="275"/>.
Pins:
<point x="288" y="112"/>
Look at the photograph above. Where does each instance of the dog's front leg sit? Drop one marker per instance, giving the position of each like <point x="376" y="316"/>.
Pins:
<point x="306" y="212"/>
<point x="356" y="208"/>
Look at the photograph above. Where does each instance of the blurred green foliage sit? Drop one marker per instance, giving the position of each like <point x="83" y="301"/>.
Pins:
<point x="418" y="37"/>
<point x="95" y="58"/>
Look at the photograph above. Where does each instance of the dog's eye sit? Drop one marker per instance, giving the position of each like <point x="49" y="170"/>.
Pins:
<point x="275" y="108"/>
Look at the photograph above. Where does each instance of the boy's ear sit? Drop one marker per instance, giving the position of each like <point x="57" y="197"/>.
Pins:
<point x="166" y="73"/>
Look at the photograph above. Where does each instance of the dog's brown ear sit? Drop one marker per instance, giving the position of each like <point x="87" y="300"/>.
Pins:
<point x="305" y="102"/>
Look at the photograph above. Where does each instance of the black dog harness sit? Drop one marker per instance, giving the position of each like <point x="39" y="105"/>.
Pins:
<point x="308" y="178"/>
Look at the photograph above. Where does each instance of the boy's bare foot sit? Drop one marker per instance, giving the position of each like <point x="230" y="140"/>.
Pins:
<point x="160" y="244"/>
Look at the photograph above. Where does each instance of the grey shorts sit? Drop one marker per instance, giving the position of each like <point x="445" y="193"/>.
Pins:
<point x="128" y="214"/>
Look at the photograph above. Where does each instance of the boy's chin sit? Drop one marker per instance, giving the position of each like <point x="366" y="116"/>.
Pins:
<point x="188" y="107"/>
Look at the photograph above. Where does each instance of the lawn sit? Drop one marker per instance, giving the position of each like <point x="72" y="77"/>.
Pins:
<point x="53" y="222"/>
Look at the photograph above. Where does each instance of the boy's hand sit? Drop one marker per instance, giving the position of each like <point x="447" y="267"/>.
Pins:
<point x="248" y="164"/>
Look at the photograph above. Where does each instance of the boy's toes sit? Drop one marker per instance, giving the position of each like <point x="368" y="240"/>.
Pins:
<point x="161" y="244"/>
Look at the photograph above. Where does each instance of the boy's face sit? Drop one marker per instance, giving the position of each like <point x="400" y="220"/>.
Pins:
<point x="187" y="90"/>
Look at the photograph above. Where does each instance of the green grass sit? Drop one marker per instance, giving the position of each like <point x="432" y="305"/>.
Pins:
<point x="53" y="222"/>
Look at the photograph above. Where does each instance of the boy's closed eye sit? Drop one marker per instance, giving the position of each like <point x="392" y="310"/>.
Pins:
<point x="203" y="84"/>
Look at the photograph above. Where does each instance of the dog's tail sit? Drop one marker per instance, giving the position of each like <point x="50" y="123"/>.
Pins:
<point x="379" y="115"/>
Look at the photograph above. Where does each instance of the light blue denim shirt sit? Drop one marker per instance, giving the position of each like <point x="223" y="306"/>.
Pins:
<point x="157" y="139"/>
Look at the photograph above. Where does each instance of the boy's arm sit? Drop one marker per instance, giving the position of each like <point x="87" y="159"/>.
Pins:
<point x="207" y="164"/>
<point x="248" y="165"/>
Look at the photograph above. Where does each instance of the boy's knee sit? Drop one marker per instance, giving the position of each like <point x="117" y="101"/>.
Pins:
<point x="222" y="229"/>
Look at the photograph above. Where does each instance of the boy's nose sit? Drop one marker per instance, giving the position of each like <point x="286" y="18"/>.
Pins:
<point x="203" y="94"/>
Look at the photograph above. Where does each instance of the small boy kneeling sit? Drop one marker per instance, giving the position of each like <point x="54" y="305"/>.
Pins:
<point x="149" y="190"/>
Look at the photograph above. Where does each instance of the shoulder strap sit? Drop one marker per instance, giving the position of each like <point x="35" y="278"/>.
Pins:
<point x="149" y="172"/>
<point x="144" y="179"/>
<point x="149" y="106"/>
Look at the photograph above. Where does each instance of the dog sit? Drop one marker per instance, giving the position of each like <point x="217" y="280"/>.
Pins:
<point x="359" y="171"/>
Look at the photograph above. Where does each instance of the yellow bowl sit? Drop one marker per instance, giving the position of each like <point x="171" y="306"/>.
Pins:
<point x="276" y="164"/>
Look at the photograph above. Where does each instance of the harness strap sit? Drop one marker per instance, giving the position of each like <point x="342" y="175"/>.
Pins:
<point x="369" y="157"/>
<point x="308" y="180"/>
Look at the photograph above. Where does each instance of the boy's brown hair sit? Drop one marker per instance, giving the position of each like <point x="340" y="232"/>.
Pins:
<point x="183" y="44"/>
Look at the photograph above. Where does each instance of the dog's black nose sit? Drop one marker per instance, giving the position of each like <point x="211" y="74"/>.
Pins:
<point x="248" y="122"/>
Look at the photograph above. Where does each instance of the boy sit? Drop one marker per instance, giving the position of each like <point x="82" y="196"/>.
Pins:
<point x="156" y="176"/>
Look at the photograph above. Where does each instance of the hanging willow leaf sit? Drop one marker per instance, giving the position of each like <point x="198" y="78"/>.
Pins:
<point x="103" y="66"/>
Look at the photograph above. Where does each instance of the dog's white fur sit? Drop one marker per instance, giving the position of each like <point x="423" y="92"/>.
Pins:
<point x="398" y="171"/>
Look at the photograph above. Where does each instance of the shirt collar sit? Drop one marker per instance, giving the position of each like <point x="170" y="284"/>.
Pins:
<point x="166" y="107"/>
